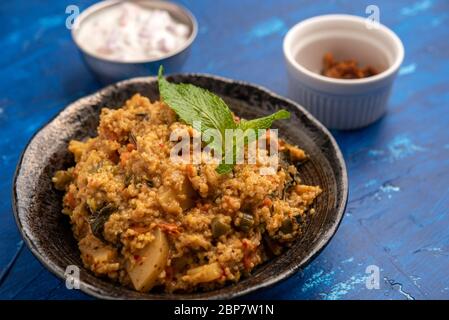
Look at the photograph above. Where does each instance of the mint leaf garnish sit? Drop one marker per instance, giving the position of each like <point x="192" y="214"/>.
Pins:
<point x="264" y="122"/>
<point x="192" y="103"/>
<point x="224" y="168"/>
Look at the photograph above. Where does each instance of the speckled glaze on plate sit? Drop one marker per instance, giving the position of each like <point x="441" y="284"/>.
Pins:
<point x="47" y="232"/>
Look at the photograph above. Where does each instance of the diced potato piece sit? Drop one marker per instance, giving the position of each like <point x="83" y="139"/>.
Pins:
<point x="206" y="273"/>
<point x="93" y="249"/>
<point x="99" y="257"/>
<point x="178" y="198"/>
<point x="168" y="201"/>
<point x="152" y="260"/>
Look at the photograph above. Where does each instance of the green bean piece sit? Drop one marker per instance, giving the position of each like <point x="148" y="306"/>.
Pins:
<point x="219" y="227"/>
<point x="244" y="221"/>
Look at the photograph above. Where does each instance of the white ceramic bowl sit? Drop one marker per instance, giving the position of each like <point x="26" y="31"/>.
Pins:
<point x="341" y="103"/>
<point x="108" y="70"/>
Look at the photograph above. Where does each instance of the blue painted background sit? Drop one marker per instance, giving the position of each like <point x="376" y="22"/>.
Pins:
<point x="397" y="216"/>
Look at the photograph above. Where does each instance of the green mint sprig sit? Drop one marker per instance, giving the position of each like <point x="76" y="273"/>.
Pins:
<point x="192" y="103"/>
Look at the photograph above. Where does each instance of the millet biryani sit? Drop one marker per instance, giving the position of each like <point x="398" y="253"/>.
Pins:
<point x="150" y="223"/>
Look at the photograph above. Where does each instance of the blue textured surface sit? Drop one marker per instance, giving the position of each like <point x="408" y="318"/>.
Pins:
<point x="397" y="216"/>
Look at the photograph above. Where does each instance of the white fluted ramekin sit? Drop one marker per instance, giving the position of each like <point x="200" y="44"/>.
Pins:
<point x="342" y="103"/>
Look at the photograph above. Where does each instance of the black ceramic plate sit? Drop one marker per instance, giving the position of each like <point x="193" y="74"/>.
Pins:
<point x="37" y="205"/>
